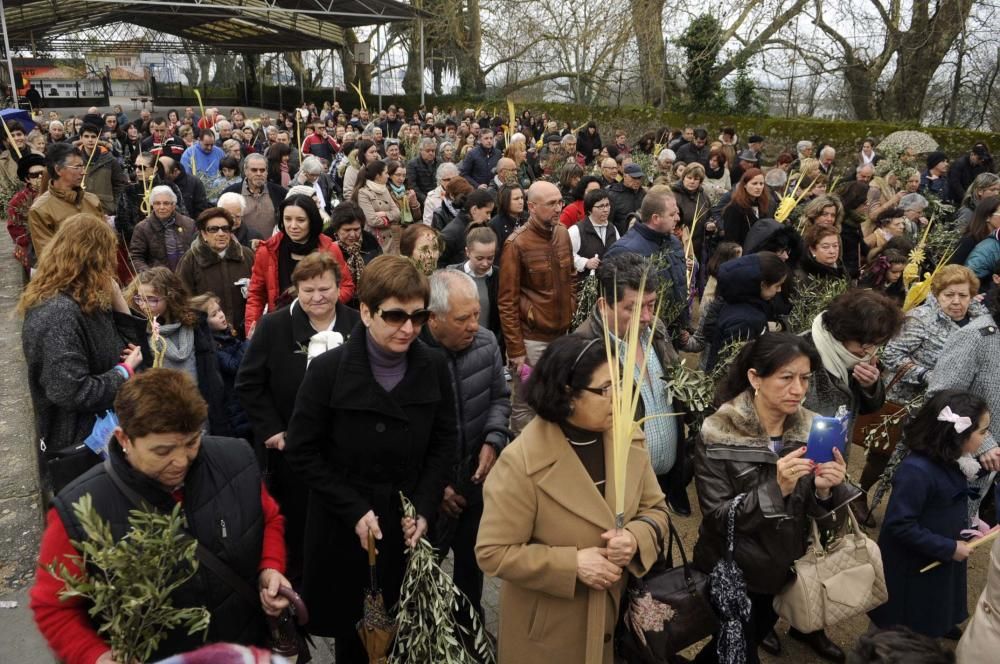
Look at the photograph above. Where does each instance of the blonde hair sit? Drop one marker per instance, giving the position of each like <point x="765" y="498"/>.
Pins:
<point x="79" y="260"/>
<point x="953" y="275"/>
<point x="808" y="168"/>
<point x="202" y="302"/>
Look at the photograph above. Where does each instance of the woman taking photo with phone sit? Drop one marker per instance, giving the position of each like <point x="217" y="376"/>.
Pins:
<point x="755" y="444"/>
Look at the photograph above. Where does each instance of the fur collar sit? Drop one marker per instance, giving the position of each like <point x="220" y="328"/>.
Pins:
<point x="735" y="424"/>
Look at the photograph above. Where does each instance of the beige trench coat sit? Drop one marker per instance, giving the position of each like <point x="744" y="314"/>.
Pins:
<point x="981" y="641"/>
<point x="540" y="508"/>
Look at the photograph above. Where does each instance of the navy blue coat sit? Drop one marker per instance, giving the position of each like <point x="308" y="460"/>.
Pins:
<point x="644" y="241"/>
<point x="927" y="509"/>
<point x="478" y="165"/>
<point x="743" y="314"/>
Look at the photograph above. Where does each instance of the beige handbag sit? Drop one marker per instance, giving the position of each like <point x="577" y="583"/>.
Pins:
<point x="833" y="584"/>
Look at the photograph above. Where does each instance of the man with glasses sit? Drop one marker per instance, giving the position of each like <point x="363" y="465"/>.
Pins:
<point x="536" y="297"/>
<point x="64" y="197"/>
<point x="262" y="198"/>
<point x="620" y="278"/>
<point x="420" y="171"/>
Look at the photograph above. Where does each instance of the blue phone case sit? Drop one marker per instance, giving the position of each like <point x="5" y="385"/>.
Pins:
<point x="825" y="434"/>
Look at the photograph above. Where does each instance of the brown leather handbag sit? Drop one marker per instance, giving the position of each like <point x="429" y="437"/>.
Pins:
<point x="886" y="423"/>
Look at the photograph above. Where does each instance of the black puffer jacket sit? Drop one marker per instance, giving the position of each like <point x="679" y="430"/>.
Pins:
<point x="482" y="401"/>
<point x="734" y="456"/>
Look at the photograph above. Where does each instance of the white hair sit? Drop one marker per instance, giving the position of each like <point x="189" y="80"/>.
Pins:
<point x="828" y="150"/>
<point x="162" y="190"/>
<point x="913" y="202"/>
<point x="666" y="154"/>
<point x="803" y="145"/>
<point x="518" y="138"/>
<point x="445" y="282"/>
<point x="775" y="178"/>
<point x="446" y="169"/>
<point x="232" y="197"/>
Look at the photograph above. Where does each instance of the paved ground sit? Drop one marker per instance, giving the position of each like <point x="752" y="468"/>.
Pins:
<point x="21" y="517"/>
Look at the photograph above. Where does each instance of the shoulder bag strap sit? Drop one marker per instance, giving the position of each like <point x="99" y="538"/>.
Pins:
<point x="900" y="372"/>
<point x="201" y="552"/>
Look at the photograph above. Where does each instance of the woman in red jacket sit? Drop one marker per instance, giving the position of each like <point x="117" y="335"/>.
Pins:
<point x="299" y="234"/>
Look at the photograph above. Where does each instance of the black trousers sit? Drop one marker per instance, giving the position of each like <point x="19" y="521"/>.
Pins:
<point x="468" y="577"/>
<point x="762" y="620"/>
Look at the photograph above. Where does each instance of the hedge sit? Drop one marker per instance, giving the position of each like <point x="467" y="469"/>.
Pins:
<point x="781" y="133"/>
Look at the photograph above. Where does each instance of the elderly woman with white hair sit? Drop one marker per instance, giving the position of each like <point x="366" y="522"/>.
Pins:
<point x="446" y="172"/>
<point x="162" y="238"/>
<point x="913" y="206"/>
<point x="236" y="205"/>
<point x="312" y="174"/>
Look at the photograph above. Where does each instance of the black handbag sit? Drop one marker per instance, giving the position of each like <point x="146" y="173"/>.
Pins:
<point x="65" y="465"/>
<point x="666" y="610"/>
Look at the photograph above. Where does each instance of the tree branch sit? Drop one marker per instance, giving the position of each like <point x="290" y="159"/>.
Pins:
<point x="776" y="24"/>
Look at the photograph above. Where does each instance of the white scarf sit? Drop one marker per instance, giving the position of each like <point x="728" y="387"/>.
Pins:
<point x="836" y="359"/>
<point x="321" y="342"/>
<point x="377" y="187"/>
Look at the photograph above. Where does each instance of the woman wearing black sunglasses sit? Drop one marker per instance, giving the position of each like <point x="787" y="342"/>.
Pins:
<point x="373" y="418"/>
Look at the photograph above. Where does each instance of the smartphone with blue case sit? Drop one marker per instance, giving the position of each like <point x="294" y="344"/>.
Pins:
<point x="826" y="433"/>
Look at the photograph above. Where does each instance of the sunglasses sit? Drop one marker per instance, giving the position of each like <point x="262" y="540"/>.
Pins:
<point x="36" y="175"/>
<point x="398" y="317"/>
<point x="211" y="230"/>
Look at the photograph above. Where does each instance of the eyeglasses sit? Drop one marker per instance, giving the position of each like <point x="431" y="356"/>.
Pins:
<point x="599" y="391"/>
<point x="35" y="175"/>
<point x="398" y="317"/>
<point x="602" y="206"/>
<point x="212" y="230"/>
<point x="75" y="167"/>
<point x="151" y="300"/>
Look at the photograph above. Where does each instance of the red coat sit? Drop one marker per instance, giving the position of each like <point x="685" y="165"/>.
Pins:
<point x="572" y="214"/>
<point x="264" y="289"/>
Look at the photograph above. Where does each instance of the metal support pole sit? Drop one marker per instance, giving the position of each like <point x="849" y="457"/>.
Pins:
<point x="378" y="49"/>
<point x="333" y="75"/>
<point x="420" y="22"/>
<point x="302" y="85"/>
<point x="10" y="56"/>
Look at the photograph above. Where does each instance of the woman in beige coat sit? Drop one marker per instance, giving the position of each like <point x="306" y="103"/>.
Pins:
<point x="548" y="525"/>
<point x="981" y="640"/>
<point x="382" y="215"/>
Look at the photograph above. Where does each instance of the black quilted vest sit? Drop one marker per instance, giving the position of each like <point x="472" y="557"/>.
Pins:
<point x="222" y="505"/>
<point x="590" y="242"/>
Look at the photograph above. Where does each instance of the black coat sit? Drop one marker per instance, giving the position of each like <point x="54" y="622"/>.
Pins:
<point x="267" y="384"/>
<point x="356" y="447"/>
<point x="624" y="202"/>
<point x="193" y="193"/>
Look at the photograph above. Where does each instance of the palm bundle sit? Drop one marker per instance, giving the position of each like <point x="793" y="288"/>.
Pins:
<point x="625" y="394"/>
<point x="790" y="201"/>
<point x="917" y="292"/>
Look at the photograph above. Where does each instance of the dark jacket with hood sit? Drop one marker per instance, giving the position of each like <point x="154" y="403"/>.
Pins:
<point x="625" y="202"/>
<point x="773" y="236"/>
<point x="587" y="143"/>
<point x="743" y="314"/>
<point x="689" y="203"/>
<point x="733" y="457"/>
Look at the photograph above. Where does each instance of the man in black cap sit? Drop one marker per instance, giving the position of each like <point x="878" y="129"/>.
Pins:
<point x="626" y="196"/>
<point x="744" y="161"/>
<point x="934" y="180"/>
<point x="755" y="144"/>
<point x="967" y="167"/>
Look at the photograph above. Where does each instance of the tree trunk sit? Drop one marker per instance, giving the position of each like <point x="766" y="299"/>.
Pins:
<point x="860" y="90"/>
<point x="411" y="78"/>
<point x="921" y="50"/>
<point x="250" y="64"/>
<point x="354" y="72"/>
<point x="470" y="72"/>
<point x="647" y="24"/>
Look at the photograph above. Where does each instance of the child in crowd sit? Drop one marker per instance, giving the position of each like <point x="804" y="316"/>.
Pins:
<point x="927" y="511"/>
<point x="229" y="350"/>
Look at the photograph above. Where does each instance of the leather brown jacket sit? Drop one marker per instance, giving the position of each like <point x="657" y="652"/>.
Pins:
<point x="536" y="298"/>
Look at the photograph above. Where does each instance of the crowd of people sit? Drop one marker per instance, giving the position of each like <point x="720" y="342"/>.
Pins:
<point x="296" y="320"/>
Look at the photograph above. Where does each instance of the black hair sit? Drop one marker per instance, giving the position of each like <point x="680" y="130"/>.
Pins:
<point x="312" y="213"/>
<point x="937" y="440"/>
<point x="862" y="315"/>
<point x="229" y="162"/>
<point x="594" y="197"/>
<point x="772" y="269"/>
<point x="854" y="194"/>
<point x="345" y="213"/>
<point x="899" y="645"/>
<point x="503" y="204"/>
<point x="580" y="190"/>
<point x="362" y="147"/>
<point x="701" y="133"/>
<point x="479" y="198"/>
<point x="90" y="128"/>
<point x="766" y="355"/>
<point x="561" y="373"/>
<point x="887" y="215"/>
<point x="625" y="270"/>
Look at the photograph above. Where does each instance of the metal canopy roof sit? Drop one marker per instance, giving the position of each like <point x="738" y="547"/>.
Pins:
<point x="262" y="26"/>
